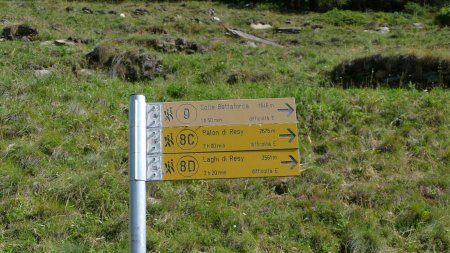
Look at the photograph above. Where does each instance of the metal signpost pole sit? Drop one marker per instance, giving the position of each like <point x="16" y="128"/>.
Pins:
<point x="137" y="162"/>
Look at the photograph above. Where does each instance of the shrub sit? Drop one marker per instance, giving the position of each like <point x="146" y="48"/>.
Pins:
<point x="339" y="18"/>
<point x="330" y="4"/>
<point x="414" y="8"/>
<point x="443" y="17"/>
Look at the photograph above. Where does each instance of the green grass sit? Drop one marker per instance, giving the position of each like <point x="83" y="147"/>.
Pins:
<point x="376" y="162"/>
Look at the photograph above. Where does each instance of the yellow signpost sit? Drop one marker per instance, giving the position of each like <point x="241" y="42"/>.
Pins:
<point x="215" y="165"/>
<point x="222" y="139"/>
<point x="229" y="138"/>
<point x="229" y="112"/>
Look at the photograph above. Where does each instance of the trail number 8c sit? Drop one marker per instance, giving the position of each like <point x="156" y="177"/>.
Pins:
<point x="187" y="139"/>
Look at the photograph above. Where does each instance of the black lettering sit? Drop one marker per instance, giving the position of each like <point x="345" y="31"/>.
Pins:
<point x="186" y="113"/>
<point x="182" y="139"/>
<point x="183" y="166"/>
<point x="191" y="166"/>
<point x="191" y="139"/>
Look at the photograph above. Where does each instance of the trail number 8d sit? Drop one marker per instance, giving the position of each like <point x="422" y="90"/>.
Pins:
<point x="187" y="166"/>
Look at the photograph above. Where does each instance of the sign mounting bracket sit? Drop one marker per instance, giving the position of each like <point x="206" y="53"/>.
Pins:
<point x="154" y="142"/>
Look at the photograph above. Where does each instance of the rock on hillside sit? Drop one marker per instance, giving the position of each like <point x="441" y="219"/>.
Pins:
<point x="19" y="32"/>
<point x="394" y="71"/>
<point x="130" y="65"/>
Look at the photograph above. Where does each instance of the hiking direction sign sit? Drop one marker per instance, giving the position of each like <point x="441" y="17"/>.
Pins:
<point x="221" y="139"/>
<point x="241" y="138"/>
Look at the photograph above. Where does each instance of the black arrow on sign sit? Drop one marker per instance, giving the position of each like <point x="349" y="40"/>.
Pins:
<point x="292" y="162"/>
<point x="290" y="135"/>
<point x="289" y="109"/>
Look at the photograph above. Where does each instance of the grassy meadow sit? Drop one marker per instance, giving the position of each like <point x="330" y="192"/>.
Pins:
<point x="375" y="161"/>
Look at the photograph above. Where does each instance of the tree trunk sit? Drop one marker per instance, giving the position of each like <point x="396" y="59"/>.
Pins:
<point x="314" y="5"/>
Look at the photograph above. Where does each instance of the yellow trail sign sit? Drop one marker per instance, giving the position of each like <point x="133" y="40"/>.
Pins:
<point x="229" y="138"/>
<point x="229" y="112"/>
<point x="268" y="163"/>
<point x="237" y="138"/>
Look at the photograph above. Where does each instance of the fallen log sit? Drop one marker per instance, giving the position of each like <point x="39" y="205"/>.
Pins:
<point x="251" y="37"/>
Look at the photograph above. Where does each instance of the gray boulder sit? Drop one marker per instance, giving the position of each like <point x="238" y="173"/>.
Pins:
<point x="129" y="65"/>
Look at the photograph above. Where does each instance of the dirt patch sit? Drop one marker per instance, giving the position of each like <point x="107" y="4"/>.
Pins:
<point x="393" y="71"/>
<point x="174" y="45"/>
<point x="133" y="65"/>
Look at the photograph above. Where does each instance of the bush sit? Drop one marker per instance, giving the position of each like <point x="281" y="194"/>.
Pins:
<point x="339" y="18"/>
<point x="414" y="8"/>
<point x="443" y="17"/>
<point x="330" y="4"/>
<point x="360" y="5"/>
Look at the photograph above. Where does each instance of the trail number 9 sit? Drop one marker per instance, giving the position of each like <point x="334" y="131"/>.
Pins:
<point x="186" y="113"/>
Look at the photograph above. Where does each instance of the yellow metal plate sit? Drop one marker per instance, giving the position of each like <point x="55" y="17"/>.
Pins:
<point x="229" y="138"/>
<point x="229" y="112"/>
<point x="272" y="163"/>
